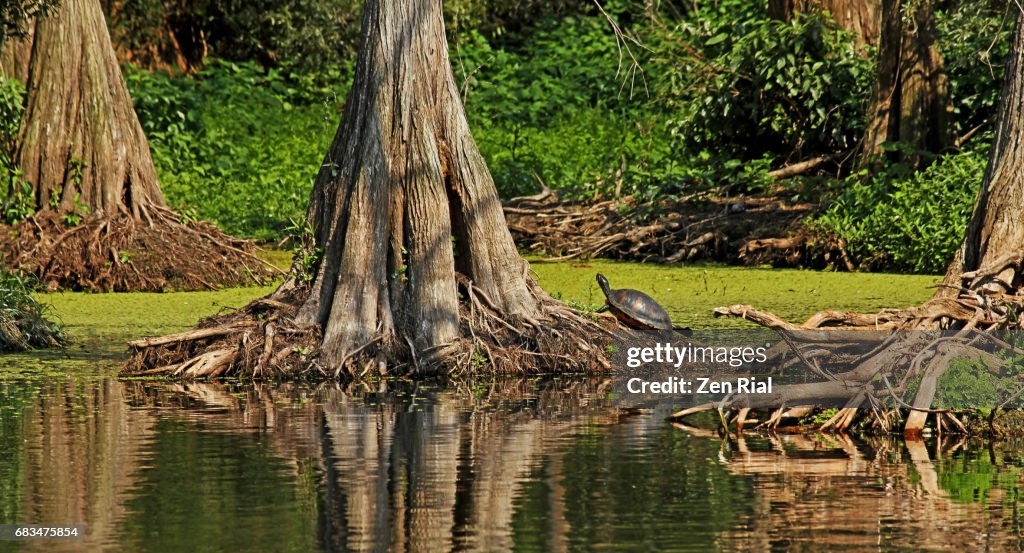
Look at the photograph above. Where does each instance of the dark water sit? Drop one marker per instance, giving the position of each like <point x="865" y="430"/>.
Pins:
<point x="535" y="466"/>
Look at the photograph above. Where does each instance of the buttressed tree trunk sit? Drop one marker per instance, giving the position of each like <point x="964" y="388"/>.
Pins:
<point x="417" y="261"/>
<point x="981" y="290"/>
<point x="990" y="258"/>
<point x="861" y="17"/>
<point x="83" y="152"/>
<point x="910" y="103"/>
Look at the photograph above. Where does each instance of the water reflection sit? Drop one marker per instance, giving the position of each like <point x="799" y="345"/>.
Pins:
<point x="534" y="466"/>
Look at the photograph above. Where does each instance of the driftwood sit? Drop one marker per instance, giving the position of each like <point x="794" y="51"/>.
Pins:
<point x="913" y="347"/>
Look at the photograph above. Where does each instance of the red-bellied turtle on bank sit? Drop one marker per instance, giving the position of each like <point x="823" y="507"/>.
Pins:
<point x="635" y="308"/>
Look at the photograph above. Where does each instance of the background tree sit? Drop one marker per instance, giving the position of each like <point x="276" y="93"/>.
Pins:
<point x="991" y="258"/>
<point x="15" y="16"/>
<point x="981" y="290"/>
<point x="910" y="104"/>
<point x="861" y="17"/>
<point x="82" y="158"/>
<point x="417" y="262"/>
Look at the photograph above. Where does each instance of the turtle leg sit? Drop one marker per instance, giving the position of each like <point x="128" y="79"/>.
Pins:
<point x="602" y="309"/>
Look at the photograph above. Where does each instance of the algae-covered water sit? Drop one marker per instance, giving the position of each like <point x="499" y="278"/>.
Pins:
<point x="535" y="465"/>
<point x="688" y="293"/>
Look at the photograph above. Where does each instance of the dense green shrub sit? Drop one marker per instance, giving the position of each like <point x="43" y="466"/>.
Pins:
<point x="909" y="223"/>
<point x="974" y="41"/>
<point x="16" y="194"/>
<point x="538" y="111"/>
<point x="237" y="144"/>
<point x="23" y="320"/>
<point x="743" y="83"/>
<point x="12" y="94"/>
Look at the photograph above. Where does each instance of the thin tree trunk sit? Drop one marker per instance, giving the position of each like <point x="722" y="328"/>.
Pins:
<point x="910" y="104"/>
<point x="993" y="245"/>
<point x="861" y="17"/>
<point x="16" y="54"/>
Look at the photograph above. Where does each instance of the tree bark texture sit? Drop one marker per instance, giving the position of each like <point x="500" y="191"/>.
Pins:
<point x="404" y="206"/>
<point x="910" y="103"/>
<point x="861" y="17"/>
<point x="80" y="142"/>
<point x="993" y="247"/>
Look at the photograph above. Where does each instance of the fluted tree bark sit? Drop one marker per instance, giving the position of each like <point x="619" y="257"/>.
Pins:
<point x="860" y="17"/>
<point x="991" y="257"/>
<point x="84" y="156"/>
<point x="418" y="267"/>
<point x="80" y="135"/>
<point x="910" y="104"/>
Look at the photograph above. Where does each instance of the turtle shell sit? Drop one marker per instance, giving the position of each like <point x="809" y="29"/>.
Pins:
<point x="636" y="309"/>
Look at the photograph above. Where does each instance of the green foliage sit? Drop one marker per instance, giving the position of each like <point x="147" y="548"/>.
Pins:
<point x="969" y="383"/>
<point x="974" y="38"/>
<point x="18" y="201"/>
<point x="744" y="83"/>
<point x="823" y="416"/>
<point x="23" y="320"/>
<point x="538" y="112"/>
<point x="12" y="95"/>
<point x="305" y="256"/>
<point x="908" y="222"/>
<point x="237" y="144"/>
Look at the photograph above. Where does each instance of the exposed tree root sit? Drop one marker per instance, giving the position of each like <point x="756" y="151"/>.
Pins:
<point x="120" y="254"/>
<point x="263" y="341"/>
<point x="913" y="350"/>
<point x="747" y="230"/>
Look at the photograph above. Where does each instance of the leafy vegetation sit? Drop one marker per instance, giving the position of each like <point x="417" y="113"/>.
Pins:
<point x="23" y="319"/>
<point x="749" y="85"/>
<point x="907" y="221"/>
<point x="237" y="144"/>
<point x="717" y="99"/>
<point x="18" y="202"/>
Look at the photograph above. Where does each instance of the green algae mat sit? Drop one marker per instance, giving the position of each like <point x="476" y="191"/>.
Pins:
<point x="688" y="293"/>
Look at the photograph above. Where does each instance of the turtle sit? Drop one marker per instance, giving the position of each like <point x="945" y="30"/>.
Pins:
<point x="634" y="308"/>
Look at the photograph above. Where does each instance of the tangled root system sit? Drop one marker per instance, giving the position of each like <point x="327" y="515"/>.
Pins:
<point x="120" y="254"/>
<point x="986" y="303"/>
<point x="742" y="230"/>
<point x="263" y="341"/>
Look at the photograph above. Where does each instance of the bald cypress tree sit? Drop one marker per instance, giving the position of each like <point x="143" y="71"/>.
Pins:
<point x="101" y="221"/>
<point x="417" y="265"/>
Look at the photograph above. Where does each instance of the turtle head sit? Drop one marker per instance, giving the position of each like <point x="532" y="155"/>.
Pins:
<point x="603" y="283"/>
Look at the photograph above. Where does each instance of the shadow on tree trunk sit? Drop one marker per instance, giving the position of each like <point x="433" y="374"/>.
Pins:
<point x="418" y="271"/>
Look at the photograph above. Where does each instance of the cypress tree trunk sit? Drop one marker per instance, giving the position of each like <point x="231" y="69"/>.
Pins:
<point x="405" y="197"/>
<point x="992" y="252"/>
<point x="101" y="220"/>
<point x="860" y="17"/>
<point x="79" y="115"/>
<point x="418" y="264"/>
<point x="910" y="103"/>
